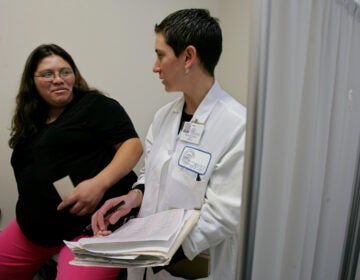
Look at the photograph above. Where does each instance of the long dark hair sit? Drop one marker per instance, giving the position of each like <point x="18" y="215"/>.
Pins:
<point x="31" y="110"/>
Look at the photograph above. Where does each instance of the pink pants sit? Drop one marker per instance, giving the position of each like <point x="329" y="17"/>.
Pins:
<point x="20" y="259"/>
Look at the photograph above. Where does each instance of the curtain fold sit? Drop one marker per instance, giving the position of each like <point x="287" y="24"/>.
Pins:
<point x="352" y="6"/>
<point x="311" y="130"/>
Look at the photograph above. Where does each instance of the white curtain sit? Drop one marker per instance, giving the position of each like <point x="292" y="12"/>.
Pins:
<point x="308" y="80"/>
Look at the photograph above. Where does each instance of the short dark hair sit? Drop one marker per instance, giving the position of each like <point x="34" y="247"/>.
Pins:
<point x="31" y="110"/>
<point x="194" y="27"/>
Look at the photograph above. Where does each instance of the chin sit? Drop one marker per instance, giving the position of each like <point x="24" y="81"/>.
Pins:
<point x="169" y="89"/>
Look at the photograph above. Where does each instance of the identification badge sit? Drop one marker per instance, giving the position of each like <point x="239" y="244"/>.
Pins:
<point x="192" y="132"/>
<point x="194" y="160"/>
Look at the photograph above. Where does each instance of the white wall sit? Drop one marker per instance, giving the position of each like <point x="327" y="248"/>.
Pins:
<point x="112" y="43"/>
<point x="232" y="72"/>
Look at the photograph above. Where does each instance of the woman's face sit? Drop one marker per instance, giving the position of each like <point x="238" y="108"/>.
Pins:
<point x="54" y="80"/>
<point x="170" y="68"/>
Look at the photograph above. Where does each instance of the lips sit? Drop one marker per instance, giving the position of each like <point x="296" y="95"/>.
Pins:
<point x="62" y="89"/>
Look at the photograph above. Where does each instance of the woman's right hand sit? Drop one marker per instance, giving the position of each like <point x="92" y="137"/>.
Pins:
<point x="99" y="222"/>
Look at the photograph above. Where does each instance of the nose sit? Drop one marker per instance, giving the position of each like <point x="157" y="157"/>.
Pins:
<point x="57" y="78"/>
<point x="156" y="67"/>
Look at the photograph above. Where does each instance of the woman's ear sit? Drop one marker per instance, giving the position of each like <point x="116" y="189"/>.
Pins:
<point x="190" y="55"/>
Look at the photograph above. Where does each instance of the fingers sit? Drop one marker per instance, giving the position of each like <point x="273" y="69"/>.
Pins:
<point x="97" y="224"/>
<point x="79" y="208"/>
<point x="97" y="220"/>
<point x="80" y="203"/>
<point x="101" y="219"/>
<point x="115" y="217"/>
<point x="61" y="206"/>
<point x="65" y="203"/>
<point x="102" y="233"/>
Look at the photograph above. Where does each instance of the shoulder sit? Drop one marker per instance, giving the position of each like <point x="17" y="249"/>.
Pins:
<point x="227" y="106"/>
<point x="96" y="99"/>
<point x="96" y="95"/>
<point x="172" y="107"/>
<point x="166" y="115"/>
<point x="232" y="106"/>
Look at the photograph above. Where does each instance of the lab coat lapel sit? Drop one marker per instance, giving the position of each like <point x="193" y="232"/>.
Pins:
<point x="207" y="105"/>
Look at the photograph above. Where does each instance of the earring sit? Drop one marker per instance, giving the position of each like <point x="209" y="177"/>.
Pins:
<point x="186" y="71"/>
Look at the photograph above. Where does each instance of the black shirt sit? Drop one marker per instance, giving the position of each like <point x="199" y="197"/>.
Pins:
<point x="79" y="143"/>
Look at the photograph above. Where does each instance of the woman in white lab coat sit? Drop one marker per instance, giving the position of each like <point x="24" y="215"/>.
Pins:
<point x="194" y="147"/>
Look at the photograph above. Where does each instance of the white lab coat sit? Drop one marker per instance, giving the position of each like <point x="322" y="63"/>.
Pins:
<point x="218" y="193"/>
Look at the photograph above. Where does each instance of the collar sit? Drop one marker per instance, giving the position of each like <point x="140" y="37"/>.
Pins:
<point x="206" y="106"/>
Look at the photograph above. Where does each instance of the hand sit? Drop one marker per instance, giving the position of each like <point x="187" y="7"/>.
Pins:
<point x="85" y="197"/>
<point x="100" y="221"/>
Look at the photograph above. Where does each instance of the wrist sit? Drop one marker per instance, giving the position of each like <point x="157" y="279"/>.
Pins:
<point x="137" y="196"/>
<point x="101" y="182"/>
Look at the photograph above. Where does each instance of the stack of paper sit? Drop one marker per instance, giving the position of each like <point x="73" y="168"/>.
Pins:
<point x="141" y="242"/>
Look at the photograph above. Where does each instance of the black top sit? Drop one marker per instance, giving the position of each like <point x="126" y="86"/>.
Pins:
<point x="184" y="118"/>
<point x="79" y="143"/>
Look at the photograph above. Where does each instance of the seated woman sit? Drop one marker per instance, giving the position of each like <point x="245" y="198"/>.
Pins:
<point x="62" y="127"/>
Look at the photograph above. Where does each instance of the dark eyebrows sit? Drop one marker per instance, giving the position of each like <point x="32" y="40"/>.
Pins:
<point x="52" y="70"/>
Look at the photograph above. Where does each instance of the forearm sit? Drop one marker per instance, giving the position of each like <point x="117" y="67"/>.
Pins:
<point x="127" y="155"/>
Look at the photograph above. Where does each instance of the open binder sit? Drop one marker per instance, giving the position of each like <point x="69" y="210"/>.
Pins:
<point x="141" y="242"/>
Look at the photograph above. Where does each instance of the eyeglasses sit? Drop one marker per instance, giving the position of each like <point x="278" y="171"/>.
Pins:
<point x="50" y="75"/>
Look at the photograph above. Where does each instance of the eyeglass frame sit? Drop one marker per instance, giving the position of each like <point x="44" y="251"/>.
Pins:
<point x="48" y="75"/>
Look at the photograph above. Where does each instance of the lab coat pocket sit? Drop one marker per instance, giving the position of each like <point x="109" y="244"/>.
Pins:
<point x="187" y="189"/>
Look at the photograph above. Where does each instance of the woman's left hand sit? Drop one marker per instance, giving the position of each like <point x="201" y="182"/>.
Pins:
<point x="85" y="197"/>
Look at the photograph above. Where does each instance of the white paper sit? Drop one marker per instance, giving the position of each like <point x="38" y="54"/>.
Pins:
<point x="156" y="231"/>
<point x="64" y="187"/>
<point x="154" y="240"/>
